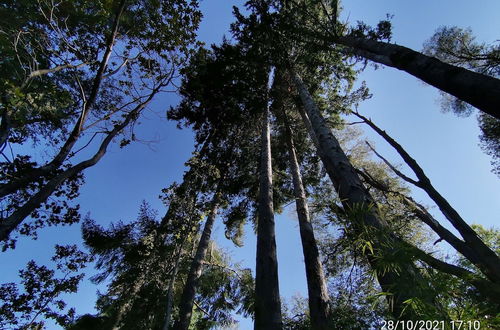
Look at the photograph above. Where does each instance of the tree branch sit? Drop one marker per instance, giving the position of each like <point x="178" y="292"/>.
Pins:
<point x="489" y="259"/>
<point x="392" y="167"/>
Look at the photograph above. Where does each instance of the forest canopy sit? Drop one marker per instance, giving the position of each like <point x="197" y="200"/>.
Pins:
<point x="295" y="185"/>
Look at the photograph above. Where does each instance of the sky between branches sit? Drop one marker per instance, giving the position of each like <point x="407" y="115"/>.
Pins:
<point x="444" y="145"/>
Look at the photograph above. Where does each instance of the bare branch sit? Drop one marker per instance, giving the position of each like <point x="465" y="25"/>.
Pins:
<point x="42" y="72"/>
<point x="392" y="167"/>
<point x="10" y="223"/>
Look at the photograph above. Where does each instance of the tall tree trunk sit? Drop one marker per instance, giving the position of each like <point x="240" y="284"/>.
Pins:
<point x="267" y="297"/>
<point x="189" y="291"/>
<point x="170" y="293"/>
<point x="474" y="248"/>
<point x="477" y="89"/>
<point x="319" y="301"/>
<point x="353" y="195"/>
<point x="125" y="306"/>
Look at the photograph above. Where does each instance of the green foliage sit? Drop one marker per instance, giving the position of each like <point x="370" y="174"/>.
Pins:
<point x="71" y="71"/>
<point x="490" y="139"/>
<point x="59" y="210"/>
<point x="42" y="290"/>
<point x="461" y="300"/>
<point x="139" y="258"/>
<point x="223" y="289"/>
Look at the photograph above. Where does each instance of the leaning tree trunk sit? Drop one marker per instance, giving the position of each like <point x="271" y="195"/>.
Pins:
<point x="319" y="301"/>
<point x="189" y="291"/>
<point x="479" y="90"/>
<point x="488" y="289"/>
<point x="354" y="196"/>
<point x="267" y="296"/>
<point x="473" y="248"/>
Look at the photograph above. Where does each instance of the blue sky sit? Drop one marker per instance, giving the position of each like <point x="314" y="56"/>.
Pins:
<point x="444" y="145"/>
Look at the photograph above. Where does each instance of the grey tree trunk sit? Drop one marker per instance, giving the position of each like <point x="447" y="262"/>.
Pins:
<point x="267" y="296"/>
<point x="319" y="301"/>
<point x="189" y="291"/>
<point x="354" y="196"/>
<point x="481" y="91"/>
<point x="473" y="248"/>
<point x="170" y="292"/>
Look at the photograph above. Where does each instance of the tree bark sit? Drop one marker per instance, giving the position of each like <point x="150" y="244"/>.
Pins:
<point x="319" y="301"/>
<point x="189" y="291"/>
<point x="4" y="129"/>
<point x="353" y="195"/>
<point x="170" y="293"/>
<point x="475" y="249"/>
<point x="267" y="297"/>
<point x="479" y="90"/>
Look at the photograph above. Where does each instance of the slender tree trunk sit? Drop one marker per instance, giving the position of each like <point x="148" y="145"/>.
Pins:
<point x="353" y="195"/>
<point x="479" y="90"/>
<point x="489" y="290"/>
<point x="473" y="248"/>
<point x="267" y="297"/>
<point x="125" y="306"/>
<point x="187" y="298"/>
<point x="170" y="293"/>
<point x="319" y="301"/>
<point x="444" y="234"/>
<point x="4" y="129"/>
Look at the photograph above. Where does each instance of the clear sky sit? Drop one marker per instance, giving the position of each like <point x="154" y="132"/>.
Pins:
<point x="444" y="145"/>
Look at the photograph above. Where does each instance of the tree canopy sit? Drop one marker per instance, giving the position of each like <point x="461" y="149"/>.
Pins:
<point x="270" y="110"/>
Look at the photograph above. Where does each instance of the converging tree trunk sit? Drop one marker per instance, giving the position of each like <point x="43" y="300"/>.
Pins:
<point x="473" y="248"/>
<point x="189" y="291"/>
<point x="479" y="90"/>
<point x="486" y="288"/>
<point x="354" y="196"/>
<point x="267" y="296"/>
<point x="319" y="305"/>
